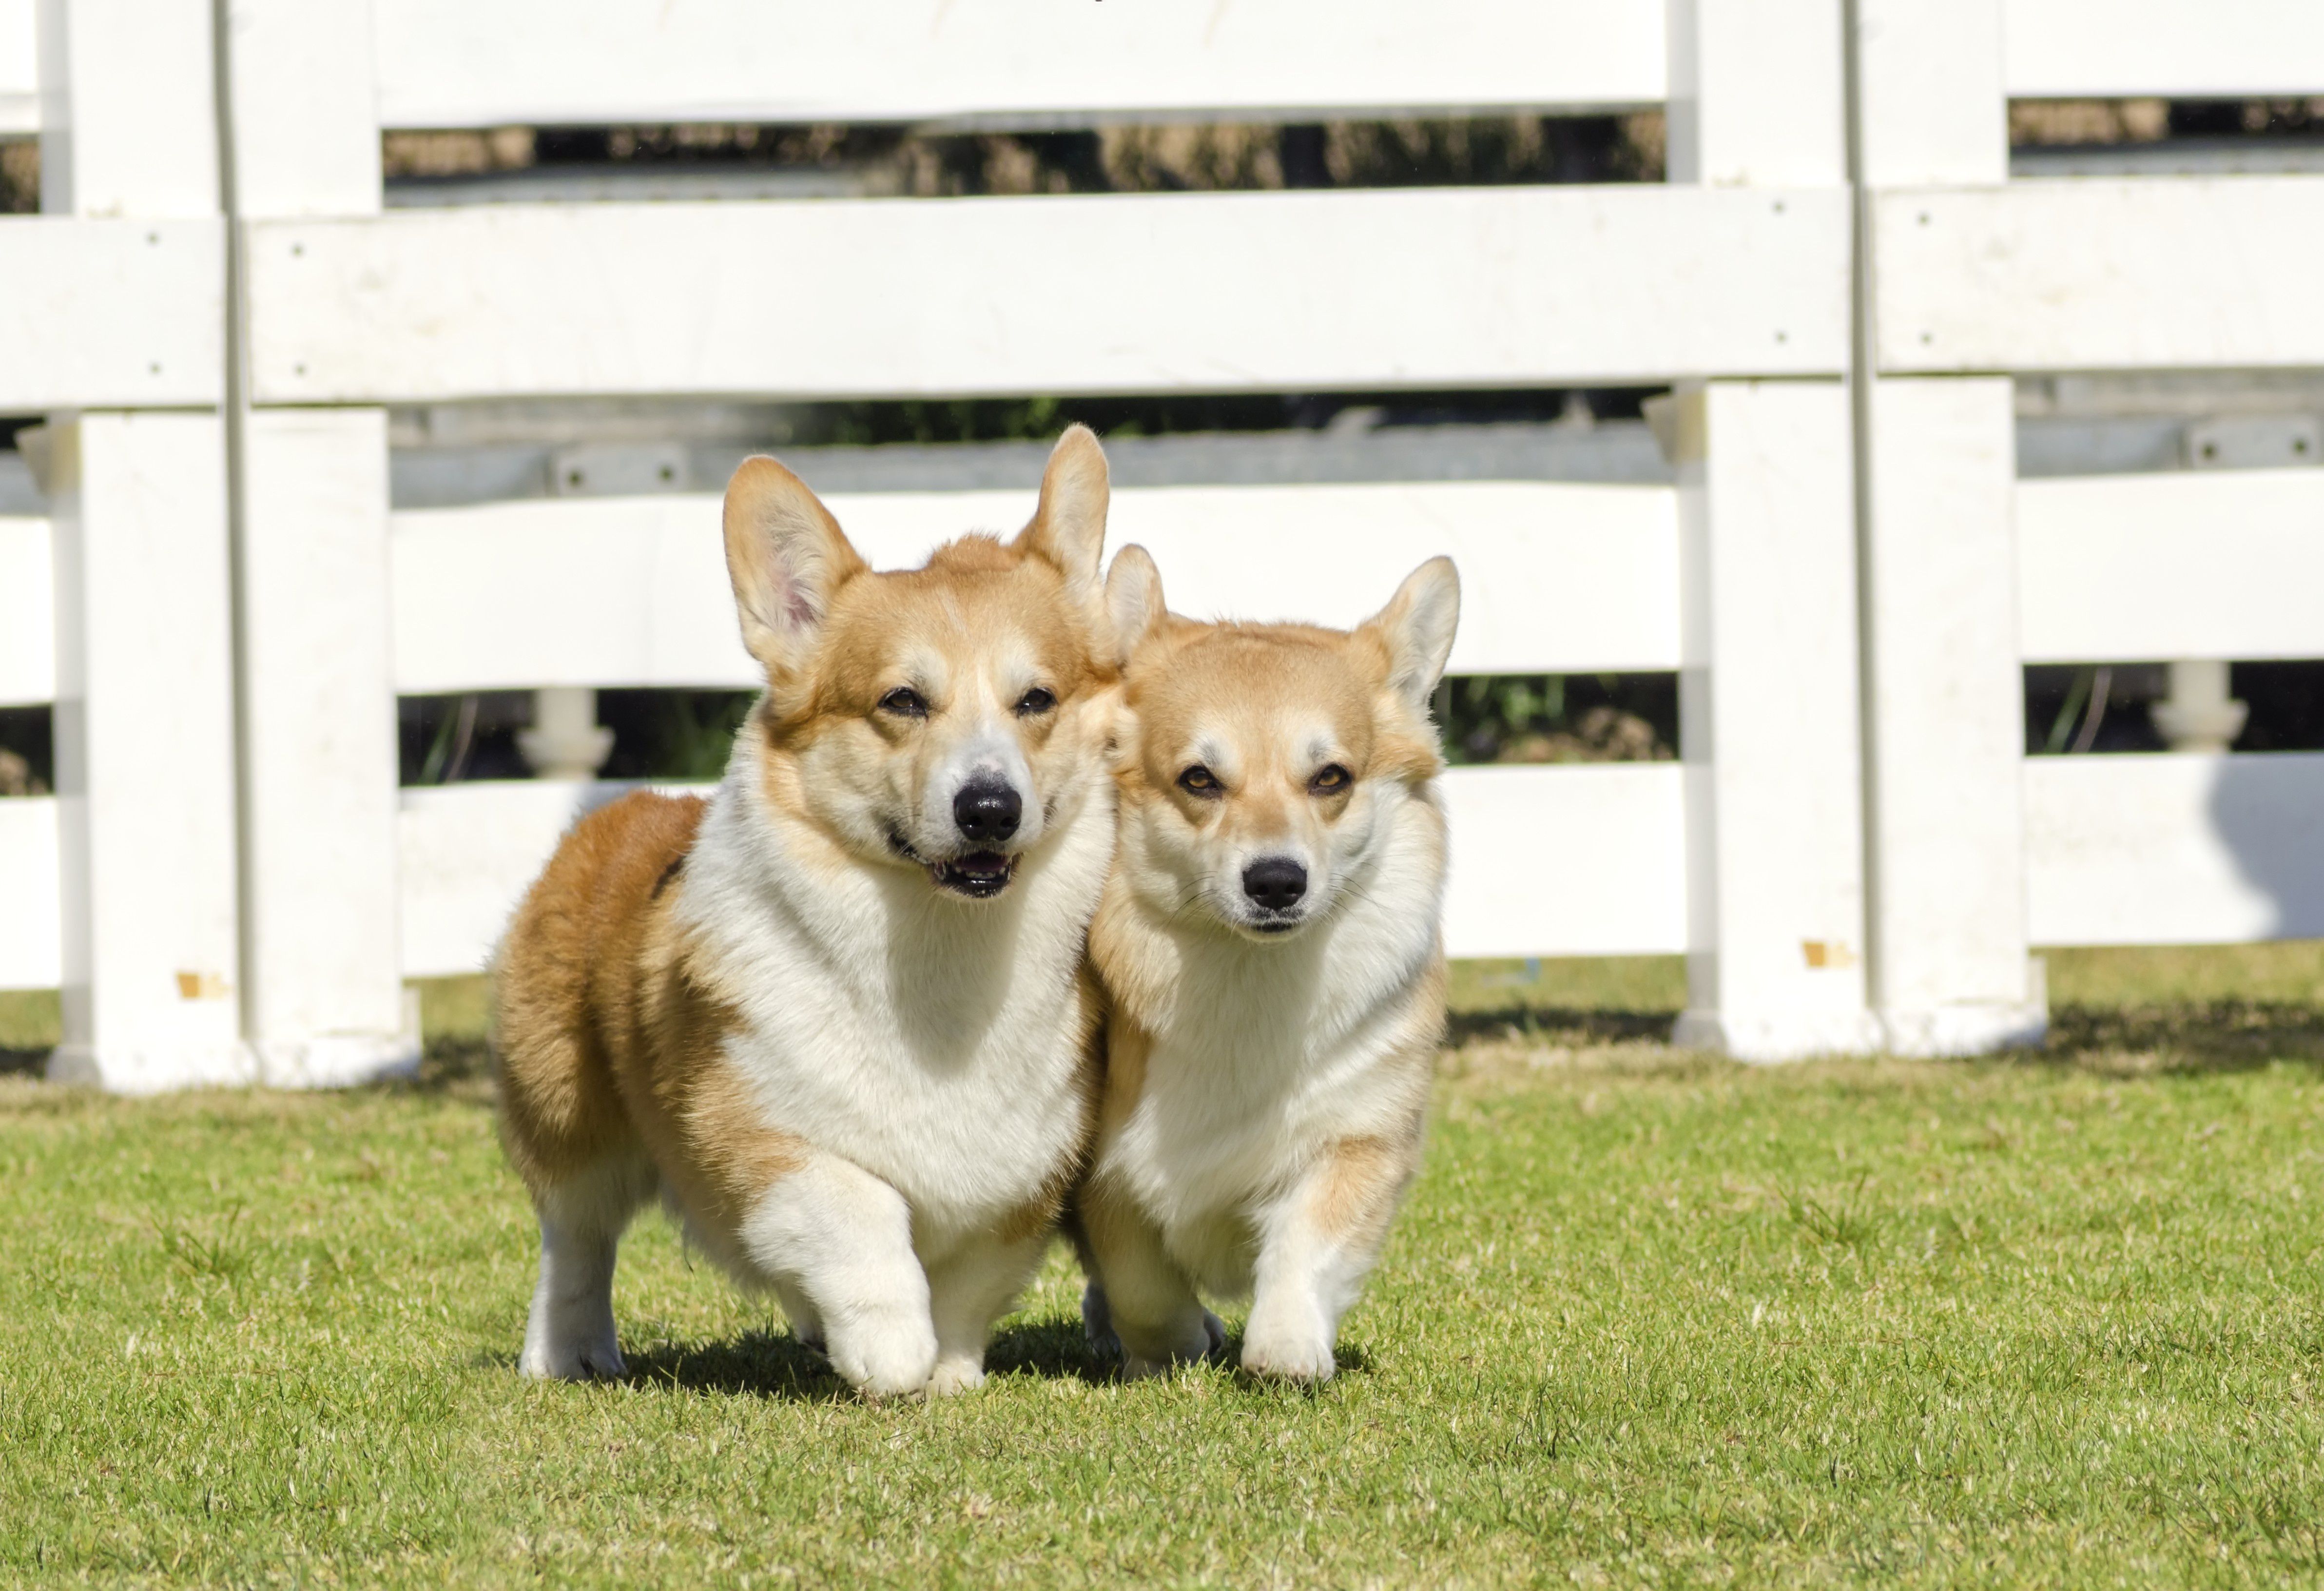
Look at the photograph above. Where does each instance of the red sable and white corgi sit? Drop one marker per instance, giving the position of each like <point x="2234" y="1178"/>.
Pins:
<point x="838" y="1015"/>
<point x="1270" y="947"/>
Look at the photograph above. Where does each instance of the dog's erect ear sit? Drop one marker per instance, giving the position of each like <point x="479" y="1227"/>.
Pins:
<point x="1068" y="528"/>
<point x="786" y="556"/>
<point x="1133" y="600"/>
<point x="1417" y="627"/>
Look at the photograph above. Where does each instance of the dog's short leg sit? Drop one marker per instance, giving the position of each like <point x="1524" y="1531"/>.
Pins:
<point x="569" y="1334"/>
<point x="1316" y="1246"/>
<point x="1145" y="1299"/>
<point x="843" y="1238"/>
<point x="969" y="1291"/>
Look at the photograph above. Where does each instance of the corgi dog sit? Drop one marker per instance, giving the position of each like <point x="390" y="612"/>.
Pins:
<point x="1269" y="946"/>
<point x="838" y="1015"/>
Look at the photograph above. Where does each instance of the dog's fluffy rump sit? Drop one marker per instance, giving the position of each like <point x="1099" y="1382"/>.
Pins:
<point x="838" y="1013"/>
<point x="1268" y="942"/>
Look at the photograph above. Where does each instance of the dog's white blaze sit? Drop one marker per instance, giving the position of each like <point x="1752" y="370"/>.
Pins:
<point x="930" y="1040"/>
<point x="1272" y="1052"/>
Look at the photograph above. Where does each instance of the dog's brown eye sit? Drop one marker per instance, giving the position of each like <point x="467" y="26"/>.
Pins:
<point x="1330" y="781"/>
<point x="905" y="702"/>
<point x="1035" y="702"/>
<point x="1199" y="780"/>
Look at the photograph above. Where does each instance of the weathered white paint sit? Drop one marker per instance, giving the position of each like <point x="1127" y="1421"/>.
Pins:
<point x="450" y="64"/>
<point x="631" y="591"/>
<point x="2217" y="48"/>
<point x="1149" y="294"/>
<point x="2080" y="273"/>
<point x="111" y="312"/>
<point x="28" y="626"/>
<point x="2222" y="563"/>
<point x="2175" y="849"/>
<point x="148" y="959"/>
<point x="318" y="748"/>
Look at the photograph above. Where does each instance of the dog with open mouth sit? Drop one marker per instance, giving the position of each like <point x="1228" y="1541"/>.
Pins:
<point x="1270" y="950"/>
<point x="838" y="1015"/>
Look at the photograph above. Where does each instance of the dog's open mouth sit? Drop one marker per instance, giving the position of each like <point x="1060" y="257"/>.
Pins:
<point x="980" y="875"/>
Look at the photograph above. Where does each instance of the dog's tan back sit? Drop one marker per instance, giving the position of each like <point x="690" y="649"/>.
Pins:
<point x="1268" y="942"/>
<point x="837" y="1013"/>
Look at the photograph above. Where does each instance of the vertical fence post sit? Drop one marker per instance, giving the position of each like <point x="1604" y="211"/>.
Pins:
<point x="144" y="709"/>
<point x="1768" y="705"/>
<point x="1943" y="680"/>
<point x="326" y="1003"/>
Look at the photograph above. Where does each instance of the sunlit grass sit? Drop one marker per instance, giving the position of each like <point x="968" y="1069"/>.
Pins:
<point x="1647" y="1317"/>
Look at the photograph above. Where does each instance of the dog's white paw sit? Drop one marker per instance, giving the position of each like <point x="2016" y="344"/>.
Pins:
<point x="957" y="1374"/>
<point x="1287" y="1355"/>
<point x="884" y="1356"/>
<point x="1191" y="1339"/>
<point x="599" y="1360"/>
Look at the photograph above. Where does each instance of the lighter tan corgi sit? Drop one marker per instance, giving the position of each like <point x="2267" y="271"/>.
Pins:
<point x="1270" y="947"/>
<point x="838" y="1015"/>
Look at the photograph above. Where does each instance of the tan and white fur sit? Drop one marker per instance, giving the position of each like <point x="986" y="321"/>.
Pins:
<point x="1270" y="947"/>
<point x="838" y="1015"/>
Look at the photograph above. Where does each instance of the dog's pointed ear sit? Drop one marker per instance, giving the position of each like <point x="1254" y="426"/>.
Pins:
<point x="1416" y="629"/>
<point x="1133" y="600"/>
<point x="786" y="556"/>
<point x="1068" y="527"/>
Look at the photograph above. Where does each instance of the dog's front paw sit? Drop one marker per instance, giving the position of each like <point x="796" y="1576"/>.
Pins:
<point x="957" y="1374"/>
<point x="559" y="1346"/>
<point x="1287" y="1355"/>
<point x="884" y="1356"/>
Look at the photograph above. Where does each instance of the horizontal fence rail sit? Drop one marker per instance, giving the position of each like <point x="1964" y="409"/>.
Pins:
<point x="2182" y="273"/>
<point x="446" y="63"/>
<point x="888" y="298"/>
<point x="111" y="313"/>
<point x="2192" y="49"/>
<point x="633" y="591"/>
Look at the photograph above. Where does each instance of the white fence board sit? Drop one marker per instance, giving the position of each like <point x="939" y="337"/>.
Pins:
<point x="32" y="925"/>
<point x="111" y="313"/>
<point x="1567" y="861"/>
<point x="28" y="615"/>
<point x="1136" y="293"/>
<point x="2217" y="49"/>
<point x="633" y="591"/>
<point x="1572" y="861"/>
<point x="453" y="63"/>
<point x="20" y="69"/>
<point x="2174" y="849"/>
<point x="2222" y="563"/>
<point x="2088" y="275"/>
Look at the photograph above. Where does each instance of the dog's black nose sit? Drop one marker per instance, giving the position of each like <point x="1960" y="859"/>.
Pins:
<point x="1276" y="882"/>
<point x="987" y="811"/>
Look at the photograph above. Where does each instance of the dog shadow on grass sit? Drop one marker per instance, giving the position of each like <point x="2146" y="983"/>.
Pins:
<point x="773" y="1364"/>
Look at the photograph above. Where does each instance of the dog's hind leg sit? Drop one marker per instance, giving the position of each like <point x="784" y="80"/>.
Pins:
<point x="1138" y="1291"/>
<point x="569" y="1334"/>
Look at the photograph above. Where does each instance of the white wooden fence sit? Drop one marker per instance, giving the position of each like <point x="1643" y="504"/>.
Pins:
<point x="1839" y="277"/>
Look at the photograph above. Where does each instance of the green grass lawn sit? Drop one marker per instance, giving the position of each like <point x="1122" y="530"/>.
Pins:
<point x="1648" y="1318"/>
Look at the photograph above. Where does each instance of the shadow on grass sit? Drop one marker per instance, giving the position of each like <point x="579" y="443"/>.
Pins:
<point x="1551" y="1024"/>
<point x="23" y="1063"/>
<point x="777" y="1364"/>
<point x="2183" y="1036"/>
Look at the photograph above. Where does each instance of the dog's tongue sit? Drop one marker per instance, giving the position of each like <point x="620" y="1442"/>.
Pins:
<point x="983" y="864"/>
